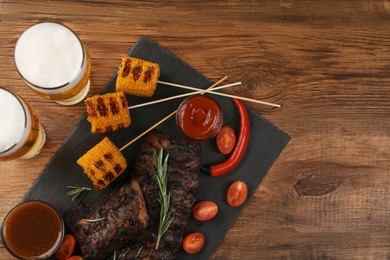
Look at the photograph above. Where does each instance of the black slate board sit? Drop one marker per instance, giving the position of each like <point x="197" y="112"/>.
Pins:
<point x="265" y="145"/>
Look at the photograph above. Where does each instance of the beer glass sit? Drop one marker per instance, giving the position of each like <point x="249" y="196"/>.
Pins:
<point x="21" y="135"/>
<point x="53" y="61"/>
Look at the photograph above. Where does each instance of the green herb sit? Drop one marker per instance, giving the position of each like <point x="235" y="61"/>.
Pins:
<point x="114" y="257"/>
<point x="166" y="216"/>
<point x="91" y="220"/>
<point x="77" y="192"/>
<point x="139" y="252"/>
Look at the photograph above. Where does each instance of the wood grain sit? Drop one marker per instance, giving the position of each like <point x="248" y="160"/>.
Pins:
<point x="327" y="63"/>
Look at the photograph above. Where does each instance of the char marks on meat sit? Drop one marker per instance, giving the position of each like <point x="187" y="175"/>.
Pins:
<point x="125" y="217"/>
<point x="183" y="178"/>
<point x="132" y="213"/>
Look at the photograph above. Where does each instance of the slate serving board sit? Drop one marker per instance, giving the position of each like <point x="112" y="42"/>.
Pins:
<point x="266" y="143"/>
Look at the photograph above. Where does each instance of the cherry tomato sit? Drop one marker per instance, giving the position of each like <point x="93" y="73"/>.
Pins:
<point x="204" y="210"/>
<point x="193" y="243"/>
<point x="75" y="257"/>
<point x="66" y="247"/>
<point x="237" y="193"/>
<point x="226" y="139"/>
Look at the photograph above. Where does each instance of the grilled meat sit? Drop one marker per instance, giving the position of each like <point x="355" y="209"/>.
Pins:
<point x="183" y="178"/>
<point x="125" y="217"/>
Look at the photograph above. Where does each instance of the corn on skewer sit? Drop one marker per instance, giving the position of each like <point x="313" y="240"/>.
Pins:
<point x="137" y="77"/>
<point x="108" y="112"/>
<point x="103" y="163"/>
<point x="140" y="77"/>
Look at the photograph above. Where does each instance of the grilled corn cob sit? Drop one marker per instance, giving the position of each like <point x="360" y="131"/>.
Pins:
<point x="103" y="163"/>
<point x="108" y="112"/>
<point x="137" y="77"/>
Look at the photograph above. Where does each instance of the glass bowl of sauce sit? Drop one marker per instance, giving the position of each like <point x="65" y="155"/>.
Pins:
<point x="199" y="117"/>
<point x="32" y="230"/>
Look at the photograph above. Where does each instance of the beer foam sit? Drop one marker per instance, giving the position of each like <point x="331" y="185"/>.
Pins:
<point x="48" y="55"/>
<point x="13" y="120"/>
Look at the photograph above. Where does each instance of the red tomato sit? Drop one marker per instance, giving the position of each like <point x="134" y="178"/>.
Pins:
<point x="66" y="247"/>
<point x="204" y="210"/>
<point x="75" y="257"/>
<point x="237" y="193"/>
<point x="226" y="139"/>
<point x="193" y="243"/>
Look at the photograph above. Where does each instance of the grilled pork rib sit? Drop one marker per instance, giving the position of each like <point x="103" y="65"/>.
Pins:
<point x="125" y="217"/>
<point x="183" y="178"/>
<point x="132" y="213"/>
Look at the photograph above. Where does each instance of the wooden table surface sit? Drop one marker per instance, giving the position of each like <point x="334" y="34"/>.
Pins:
<point x="326" y="62"/>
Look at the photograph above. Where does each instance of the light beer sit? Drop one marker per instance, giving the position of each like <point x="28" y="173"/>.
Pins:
<point x="53" y="61"/>
<point x="21" y="135"/>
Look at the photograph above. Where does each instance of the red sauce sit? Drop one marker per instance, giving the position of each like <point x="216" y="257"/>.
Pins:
<point x="199" y="117"/>
<point x="32" y="230"/>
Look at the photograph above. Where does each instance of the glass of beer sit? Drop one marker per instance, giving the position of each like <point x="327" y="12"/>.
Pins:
<point x="21" y="135"/>
<point x="53" y="61"/>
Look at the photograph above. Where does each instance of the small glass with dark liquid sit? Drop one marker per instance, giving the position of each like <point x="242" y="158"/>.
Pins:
<point x="32" y="230"/>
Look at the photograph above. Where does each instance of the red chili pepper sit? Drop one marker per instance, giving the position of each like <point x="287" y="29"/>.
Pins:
<point x="241" y="145"/>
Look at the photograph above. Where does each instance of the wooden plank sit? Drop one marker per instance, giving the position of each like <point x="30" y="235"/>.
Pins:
<point x="325" y="62"/>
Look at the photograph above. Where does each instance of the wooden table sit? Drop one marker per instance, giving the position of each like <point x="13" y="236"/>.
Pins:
<point x="326" y="62"/>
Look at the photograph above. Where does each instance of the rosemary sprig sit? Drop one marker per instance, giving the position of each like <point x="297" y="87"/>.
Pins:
<point x="166" y="216"/>
<point x="139" y="252"/>
<point x="77" y="192"/>
<point x="91" y="220"/>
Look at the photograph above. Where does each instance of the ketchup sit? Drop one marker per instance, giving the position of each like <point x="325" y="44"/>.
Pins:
<point x="199" y="117"/>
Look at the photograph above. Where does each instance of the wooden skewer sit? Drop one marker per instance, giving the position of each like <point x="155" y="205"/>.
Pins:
<point x="185" y="95"/>
<point x="221" y="94"/>
<point x="246" y="99"/>
<point x="215" y="84"/>
<point x="185" y="87"/>
<point x="166" y="118"/>
<point x="148" y="130"/>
